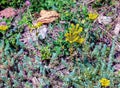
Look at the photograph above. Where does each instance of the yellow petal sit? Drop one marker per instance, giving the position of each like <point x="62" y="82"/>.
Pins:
<point x="81" y="40"/>
<point x="77" y="25"/>
<point x="3" y="27"/>
<point x="80" y="29"/>
<point x="92" y="16"/>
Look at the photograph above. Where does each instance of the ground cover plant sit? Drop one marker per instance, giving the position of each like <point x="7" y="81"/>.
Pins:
<point x="60" y="44"/>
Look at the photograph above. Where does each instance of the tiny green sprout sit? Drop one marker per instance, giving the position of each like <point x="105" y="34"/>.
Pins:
<point x="45" y="53"/>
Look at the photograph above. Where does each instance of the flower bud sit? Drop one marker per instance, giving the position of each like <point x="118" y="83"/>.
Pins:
<point x="27" y="3"/>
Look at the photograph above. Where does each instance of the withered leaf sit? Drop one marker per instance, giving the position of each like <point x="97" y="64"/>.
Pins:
<point x="117" y="26"/>
<point x="48" y="16"/>
<point x="8" y="12"/>
<point x="104" y="19"/>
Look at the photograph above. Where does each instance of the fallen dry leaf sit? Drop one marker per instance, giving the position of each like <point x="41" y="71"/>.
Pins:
<point x="117" y="26"/>
<point x="104" y="19"/>
<point x="47" y="16"/>
<point x="8" y="12"/>
<point x="117" y="29"/>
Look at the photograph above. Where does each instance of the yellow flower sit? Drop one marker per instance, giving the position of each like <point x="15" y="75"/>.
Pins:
<point x="73" y="34"/>
<point x="37" y="25"/>
<point x="105" y="82"/>
<point x="80" y="40"/>
<point x="71" y="37"/>
<point x="92" y="16"/>
<point x="75" y="29"/>
<point x="80" y="29"/>
<point x="3" y="27"/>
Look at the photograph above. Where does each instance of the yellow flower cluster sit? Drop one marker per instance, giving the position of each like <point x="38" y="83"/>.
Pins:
<point x="3" y="27"/>
<point x="92" y="16"/>
<point x="73" y="34"/>
<point x="105" y="82"/>
<point x="37" y="25"/>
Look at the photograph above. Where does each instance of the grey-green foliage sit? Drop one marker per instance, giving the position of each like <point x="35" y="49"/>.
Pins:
<point x="88" y="75"/>
<point x="100" y="51"/>
<point x="15" y="65"/>
<point x="19" y="71"/>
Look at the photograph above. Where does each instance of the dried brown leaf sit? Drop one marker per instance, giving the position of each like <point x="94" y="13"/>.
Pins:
<point x="48" y="16"/>
<point x="8" y="12"/>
